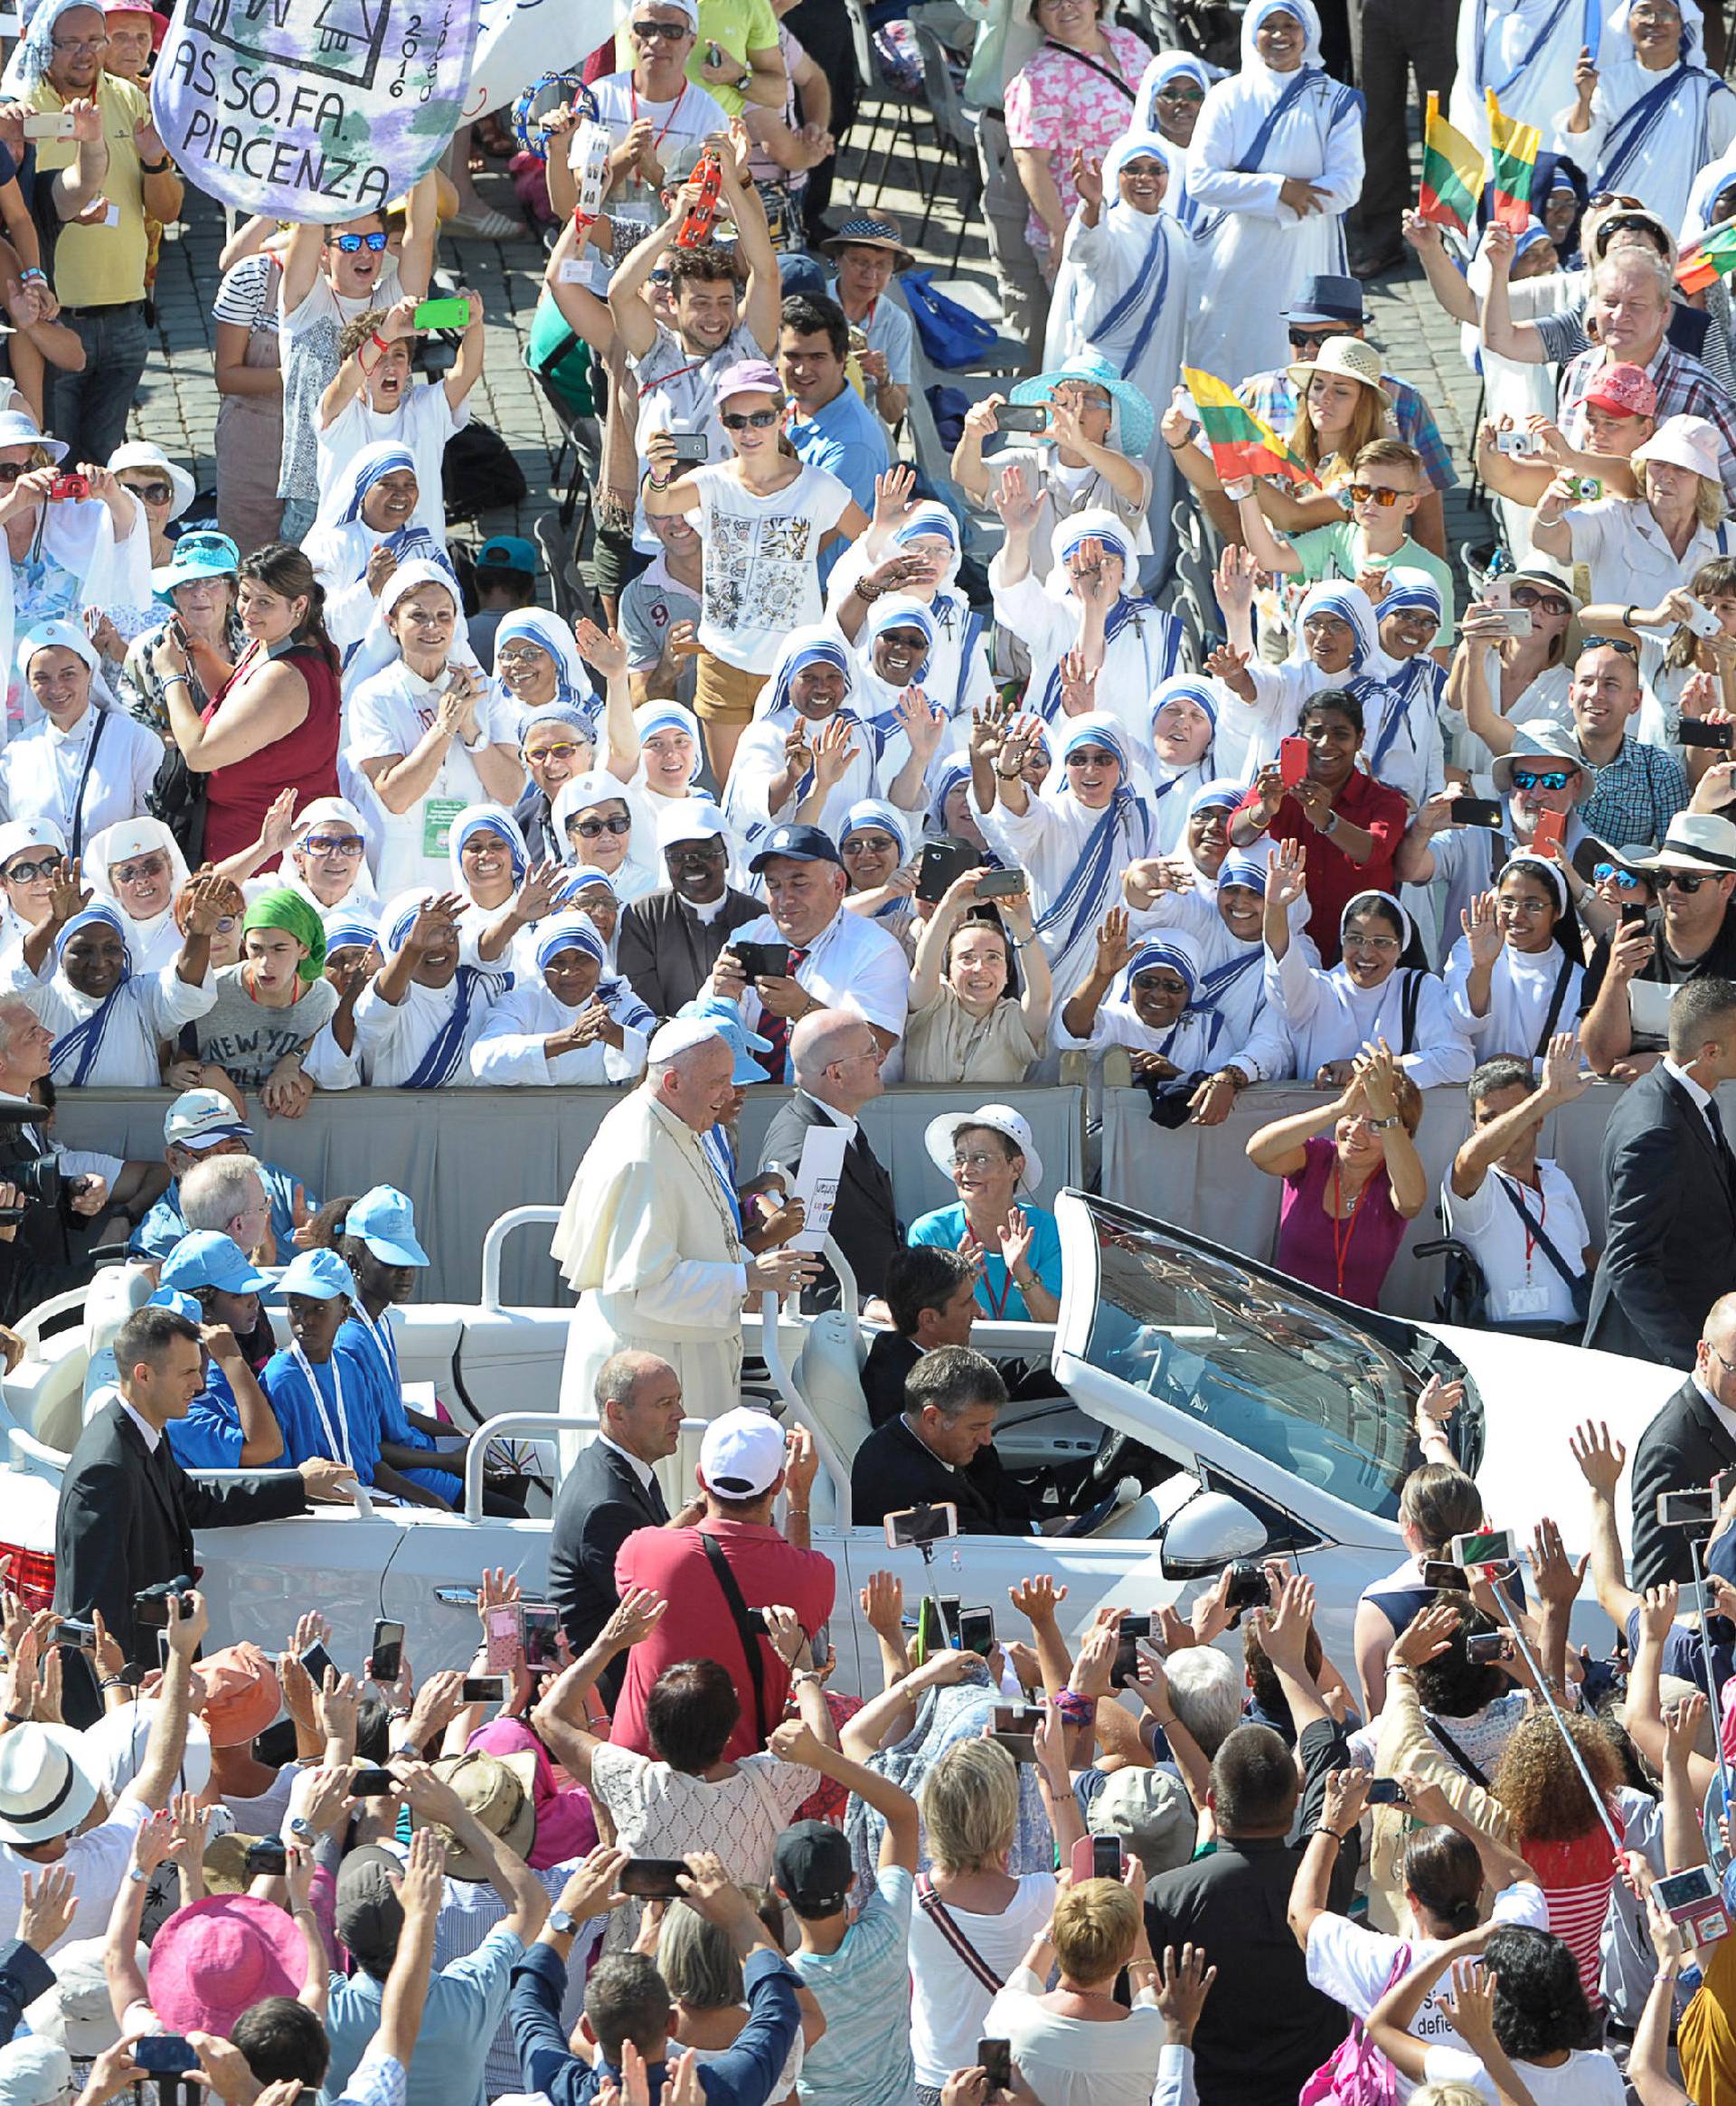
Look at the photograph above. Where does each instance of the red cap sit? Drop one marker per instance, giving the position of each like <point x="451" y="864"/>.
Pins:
<point x="1625" y="390"/>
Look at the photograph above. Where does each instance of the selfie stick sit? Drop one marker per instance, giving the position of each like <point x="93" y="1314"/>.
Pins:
<point x="1516" y="1630"/>
<point x="1712" y="1678"/>
<point x="951" y="1637"/>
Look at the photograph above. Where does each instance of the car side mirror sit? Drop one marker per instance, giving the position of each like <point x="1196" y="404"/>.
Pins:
<point x="1209" y="1533"/>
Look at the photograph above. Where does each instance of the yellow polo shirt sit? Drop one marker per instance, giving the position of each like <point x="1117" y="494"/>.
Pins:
<point x="96" y="265"/>
<point x="736" y="27"/>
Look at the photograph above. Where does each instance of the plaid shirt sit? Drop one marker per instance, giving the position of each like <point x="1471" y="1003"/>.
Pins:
<point x="1636" y="796"/>
<point x="1685" y="389"/>
<point x="1272" y="395"/>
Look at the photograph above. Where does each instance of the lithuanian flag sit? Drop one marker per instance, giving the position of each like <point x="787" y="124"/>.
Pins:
<point x="1713" y="255"/>
<point x="1452" y="173"/>
<point x="1512" y="159"/>
<point x="1241" y="443"/>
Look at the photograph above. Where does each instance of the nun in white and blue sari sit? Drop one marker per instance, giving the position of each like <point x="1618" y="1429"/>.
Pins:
<point x="1092" y="817"/>
<point x="1258" y="129"/>
<point x="1659" y="114"/>
<point x="958" y="676"/>
<point x="423" y="1041"/>
<point x="1402" y="745"/>
<point x="572" y="975"/>
<point x="1141" y="644"/>
<point x="556" y="674"/>
<point x="330" y="1065"/>
<point x="873" y="815"/>
<point x="1166" y="1036"/>
<point x="1168" y="66"/>
<point x="341" y="543"/>
<point x="1182" y="725"/>
<point x="1526" y="51"/>
<point x="1223" y="922"/>
<point x="108" y="1040"/>
<point x="1124" y="285"/>
<point x="1249" y="733"/>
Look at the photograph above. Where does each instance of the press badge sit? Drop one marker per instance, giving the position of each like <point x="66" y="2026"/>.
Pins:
<point x="1527" y="1302"/>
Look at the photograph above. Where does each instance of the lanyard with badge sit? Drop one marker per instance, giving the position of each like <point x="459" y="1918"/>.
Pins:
<point x="385" y="1344"/>
<point x="335" y="1440"/>
<point x="1527" y="1300"/>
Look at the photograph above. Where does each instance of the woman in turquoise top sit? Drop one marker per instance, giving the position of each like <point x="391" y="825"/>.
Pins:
<point x="991" y="1158"/>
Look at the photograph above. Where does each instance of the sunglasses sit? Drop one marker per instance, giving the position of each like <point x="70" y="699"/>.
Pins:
<point x="668" y="32"/>
<point x="1311" y="339"/>
<point x="132" y="873"/>
<point x="25" y="874"/>
<point x="749" y="420"/>
<point x="1601" y="873"/>
<point x="152" y="493"/>
<point x="1092" y="757"/>
<point x="10" y="470"/>
<point x="1626" y="650"/>
<point x="351" y="243"/>
<point x="1550" y="778"/>
<point x="1684" y="881"/>
<point x="345" y="844"/>
<point x="1541" y="602"/>
<point x="1181" y="95"/>
<point x="1600" y="198"/>
<point x="1367" y="493"/>
<point x="565" y="750"/>
<point x="593" y="829"/>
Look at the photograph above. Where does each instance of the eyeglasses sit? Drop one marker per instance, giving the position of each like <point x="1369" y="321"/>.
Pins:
<point x="565" y="750"/>
<point x="25" y="874"/>
<point x="751" y="421"/>
<point x="1729" y="1366"/>
<point x="80" y="44"/>
<point x="524" y="654"/>
<point x="1602" y="873"/>
<point x="1552" y="778"/>
<point x="1354" y="942"/>
<point x="1619" y="644"/>
<point x="1367" y="493"/>
<point x="130" y="874"/>
<point x="979" y="1161"/>
<point x="1092" y="757"/>
<point x="1082" y="398"/>
<point x="1181" y="95"/>
<point x="1311" y="339"/>
<point x="668" y="32"/>
<point x="593" y="829"/>
<point x="1684" y="881"/>
<point x="345" y="844"/>
<point x="1541" y="602"/>
<point x="350" y="243"/>
<point x="152" y="493"/>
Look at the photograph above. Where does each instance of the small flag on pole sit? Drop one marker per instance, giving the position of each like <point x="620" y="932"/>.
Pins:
<point x="1513" y="162"/>
<point x="1241" y="443"/>
<point x="1452" y="173"/>
<point x="1713" y="255"/>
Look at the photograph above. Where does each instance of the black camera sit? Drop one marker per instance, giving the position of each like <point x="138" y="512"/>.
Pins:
<point x="1250" y="1586"/>
<point x="24" y="1160"/>
<point x="155" y="1608"/>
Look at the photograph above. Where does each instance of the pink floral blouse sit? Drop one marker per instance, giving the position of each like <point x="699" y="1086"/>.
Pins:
<point x="1056" y="102"/>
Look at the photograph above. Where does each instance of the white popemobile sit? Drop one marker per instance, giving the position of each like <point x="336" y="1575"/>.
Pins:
<point x="1216" y="1409"/>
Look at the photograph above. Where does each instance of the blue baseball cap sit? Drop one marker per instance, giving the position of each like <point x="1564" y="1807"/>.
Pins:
<point x="184" y="1304"/>
<point x="386" y="1222"/>
<point x="507" y="552"/>
<point x="742" y="1043"/>
<point x="208" y="1258"/>
<point x="799" y="844"/>
<point x="321" y="1275"/>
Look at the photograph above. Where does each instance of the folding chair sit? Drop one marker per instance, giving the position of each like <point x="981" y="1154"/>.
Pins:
<point x="895" y="105"/>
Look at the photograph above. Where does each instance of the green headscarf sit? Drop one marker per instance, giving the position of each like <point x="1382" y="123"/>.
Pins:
<point x="288" y="909"/>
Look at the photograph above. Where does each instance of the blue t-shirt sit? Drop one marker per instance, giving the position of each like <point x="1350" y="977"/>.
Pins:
<point x="864" y="2057"/>
<point x="210" y="1435"/>
<point x="356" y="1347"/>
<point x="848" y="440"/>
<point x="305" y="1435"/>
<point x="164" y="1227"/>
<point x="467" y="2000"/>
<point x="996" y="1297"/>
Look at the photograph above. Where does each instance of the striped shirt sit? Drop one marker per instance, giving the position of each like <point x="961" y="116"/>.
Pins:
<point x="1577" y="1877"/>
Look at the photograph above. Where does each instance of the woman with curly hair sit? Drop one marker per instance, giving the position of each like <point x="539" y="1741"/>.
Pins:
<point x="1560" y="1830"/>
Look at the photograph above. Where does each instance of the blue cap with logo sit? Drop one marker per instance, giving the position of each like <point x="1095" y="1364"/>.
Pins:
<point x="321" y="1275"/>
<point x="386" y="1222"/>
<point x="799" y="844"/>
<point x="726" y="1018"/>
<point x="208" y="1258"/>
<point x="507" y="552"/>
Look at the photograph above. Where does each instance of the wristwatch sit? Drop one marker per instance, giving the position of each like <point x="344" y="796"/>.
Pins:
<point x="563" y="1922"/>
<point x="1381" y="1125"/>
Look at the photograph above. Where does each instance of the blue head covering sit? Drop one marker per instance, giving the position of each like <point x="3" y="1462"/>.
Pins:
<point x="1171" y="949"/>
<point x="101" y="915"/>
<point x="348" y="932"/>
<point x="1350" y="604"/>
<point x="1184" y="687"/>
<point x="670" y="716"/>
<point x="384" y="457"/>
<point x="401" y="917"/>
<point x="184" y="1304"/>
<point x="900" y="611"/>
<point x="1220" y="795"/>
<point x="927" y="518"/>
<point x="568" y="931"/>
<point x="27" y="68"/>
<point x="1535" y="232"/>
<point x="955" y="775"/>
<point x="815" y="645"/>
<point x="1097" y="729"/>
<point x="1137" y="146"/>
<point x="1237" y="869"/>
<point x="485" y="818"/>
<point x="583" y="877"/>
<point x="742" y="1043"/>
<point x="569" y="714"/>
<point x="873" y="811"/>
<point x="321" y="1275"/>
<point x="1093" y="525"/>
<point x="548" y="632"/>
<point x="1409" y="590"/>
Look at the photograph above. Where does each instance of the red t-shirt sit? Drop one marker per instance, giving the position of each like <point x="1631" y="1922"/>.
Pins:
<point x="238" y="796"/>
<point x="1333" y="880"/>
<point x="697" y="1625"/>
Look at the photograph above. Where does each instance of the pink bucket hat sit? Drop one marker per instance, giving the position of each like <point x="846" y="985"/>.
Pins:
<point x="215" y="1959"/>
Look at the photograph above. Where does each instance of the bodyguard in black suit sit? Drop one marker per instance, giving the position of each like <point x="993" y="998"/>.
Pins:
<point x="611" y="1491"/>
<point x="836" y="1060"/>
<point x="127" y="1509"/>
<point x="669" y="942"/>
<point x="1670" y="1184"/>
<point x="1684" y="1448"/>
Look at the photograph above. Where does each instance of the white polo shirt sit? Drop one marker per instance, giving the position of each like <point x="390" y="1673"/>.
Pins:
<point x="850" y="965"/>
<point x="1524" y="1287"/>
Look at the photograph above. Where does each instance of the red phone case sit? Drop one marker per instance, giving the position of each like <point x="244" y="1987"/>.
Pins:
<point x="1549" y="833"/>
<point x="1293" y="762"/>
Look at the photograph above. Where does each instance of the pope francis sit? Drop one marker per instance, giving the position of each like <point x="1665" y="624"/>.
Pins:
<point x="650" y="1235"/>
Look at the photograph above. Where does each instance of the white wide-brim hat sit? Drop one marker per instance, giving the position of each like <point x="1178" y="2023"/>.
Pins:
<point x="939" y="1137"/>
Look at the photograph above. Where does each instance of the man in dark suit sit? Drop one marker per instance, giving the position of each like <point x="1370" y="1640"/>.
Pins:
<point x="669" y="941"/>
<point x="1685" y="1447"/>
<point x="941" y="1450"/>
<point x="127" y="1509"/>
<point x="611" y="1490"/>
<point x="836" y="1058"/>
<point x="931" y="1299"/>
<point x="1669" y="1179"/>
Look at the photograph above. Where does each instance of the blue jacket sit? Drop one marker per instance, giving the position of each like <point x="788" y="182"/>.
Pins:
<point x="24" y="1975"/>
<point x="742" y="2075"/>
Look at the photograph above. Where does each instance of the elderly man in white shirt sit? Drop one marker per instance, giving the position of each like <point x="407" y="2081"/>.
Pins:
<point x="834" y="959"/>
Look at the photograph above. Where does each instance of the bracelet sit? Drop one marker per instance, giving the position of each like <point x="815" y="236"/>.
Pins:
<point x="33" y="276"/>
<point x="865" y="592"/>
<point x="179" y="680"/>
<point x="1628" y="615"/>
<point x="156" y="167"/>
<point x="18" y="1718"/>
<point x="1340" y="1840"/>
<point x="659" y="482"/>
<point x="1008" y="775"/>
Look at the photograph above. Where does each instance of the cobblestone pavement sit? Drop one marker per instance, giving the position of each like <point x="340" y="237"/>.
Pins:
<point x="177" y="404"/>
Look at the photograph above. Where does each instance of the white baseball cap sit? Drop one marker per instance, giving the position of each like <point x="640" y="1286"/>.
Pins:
<point x="742" y="1454"/>
<point x="690" y="818"/>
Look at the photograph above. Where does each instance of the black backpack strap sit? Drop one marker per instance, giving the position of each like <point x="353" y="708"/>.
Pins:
<point x="737" y="1609"/>
<point x="1409" y="1003"/>
<point x="1555" y="1001"/>
<point x="1454" y="1750"/>
<point x="1574" y="1281"/>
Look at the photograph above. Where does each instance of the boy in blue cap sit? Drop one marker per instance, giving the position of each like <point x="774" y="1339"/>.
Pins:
<point x="230" y="1424"/>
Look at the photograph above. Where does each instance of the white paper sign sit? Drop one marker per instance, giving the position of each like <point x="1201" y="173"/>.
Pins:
<point x="817" y="1183"/>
